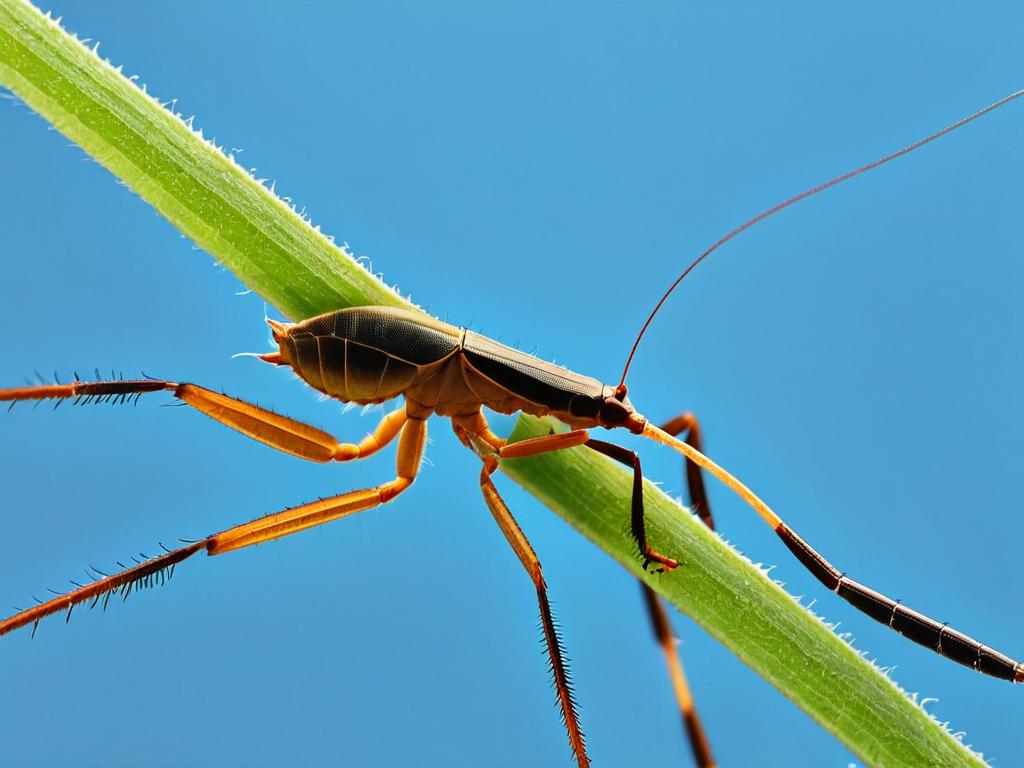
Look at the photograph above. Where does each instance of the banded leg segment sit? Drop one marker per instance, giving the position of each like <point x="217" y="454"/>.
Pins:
<point x="527" y="556"/>
<point x="279" y="432"/>
<point x="410" y="450"/>
<point x="921" y="629"/>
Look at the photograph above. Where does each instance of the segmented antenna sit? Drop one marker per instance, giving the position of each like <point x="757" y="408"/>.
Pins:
<point x="802" y="196"/>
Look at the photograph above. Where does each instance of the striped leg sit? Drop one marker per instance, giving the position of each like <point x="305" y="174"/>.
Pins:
<point x="921" y="629"/>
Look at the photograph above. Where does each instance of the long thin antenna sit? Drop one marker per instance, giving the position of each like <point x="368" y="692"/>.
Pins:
<point x="802" y="196"/>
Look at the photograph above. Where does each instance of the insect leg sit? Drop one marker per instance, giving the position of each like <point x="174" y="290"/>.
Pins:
<point x="694" y="476"/>
<point x="410" y="451"/>
<point x="514" y="534"/>
<point x="698" y="740"/>
<point x="631" y="459"/>
<point x="699" y="743"/>
<point x="909" y="623"/>
<point x="476" y="424"/>
<point x="279" y="432"/>
<point x="662" y="631"/>
<point x="155" y="570"/>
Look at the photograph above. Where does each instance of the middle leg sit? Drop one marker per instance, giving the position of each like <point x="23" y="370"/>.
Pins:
<point x="499" y="449"/>
<point x="699" y="744"/>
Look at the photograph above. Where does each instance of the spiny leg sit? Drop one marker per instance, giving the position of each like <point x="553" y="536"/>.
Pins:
<point x="516" y="537"/>
<point x="920" y="628"/>
<point x="279" y="432"/>
<point x="274" y="526"/>
<point x="554" y="442"/>
<point x="152" y="571"/>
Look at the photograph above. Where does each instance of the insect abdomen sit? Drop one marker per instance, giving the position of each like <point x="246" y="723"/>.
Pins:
<point x="367" y="355"/>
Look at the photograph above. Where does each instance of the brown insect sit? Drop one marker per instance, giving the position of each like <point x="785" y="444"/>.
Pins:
<point x="375" y="354"/>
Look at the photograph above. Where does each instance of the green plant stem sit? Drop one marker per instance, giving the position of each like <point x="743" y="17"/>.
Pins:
<point x="275" y="252"/>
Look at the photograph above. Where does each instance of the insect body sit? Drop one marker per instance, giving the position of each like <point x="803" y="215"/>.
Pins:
<point x="375" y="354"/>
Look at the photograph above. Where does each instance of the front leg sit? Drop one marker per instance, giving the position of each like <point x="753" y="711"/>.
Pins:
<point x="637" y="519"/>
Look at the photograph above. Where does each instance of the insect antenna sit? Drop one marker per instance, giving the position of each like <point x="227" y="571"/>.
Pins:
<point x="803" y="196"/>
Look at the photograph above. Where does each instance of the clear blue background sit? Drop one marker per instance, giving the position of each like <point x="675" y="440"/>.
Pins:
<point x="540" y="173"/>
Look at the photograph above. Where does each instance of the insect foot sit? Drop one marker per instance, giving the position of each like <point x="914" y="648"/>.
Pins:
<point x="665" y="564"/>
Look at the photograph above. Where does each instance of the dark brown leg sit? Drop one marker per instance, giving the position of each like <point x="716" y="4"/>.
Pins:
<point x="694" y="477"/>
<point x="637" y="521"/>
<point x="155" y="570"/>
<point x="531" y="563"/>
<point x="687" y="423"/>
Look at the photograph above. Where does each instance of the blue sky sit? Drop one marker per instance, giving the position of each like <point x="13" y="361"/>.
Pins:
<point x="540" y="174"/>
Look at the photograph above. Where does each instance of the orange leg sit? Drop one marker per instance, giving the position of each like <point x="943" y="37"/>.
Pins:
<point x="662" y="630"/>
<point x="531" y="563"/>
<point x="475" y="433"/>
<point x="558" y="441"/>
<point x="279" y="432"/>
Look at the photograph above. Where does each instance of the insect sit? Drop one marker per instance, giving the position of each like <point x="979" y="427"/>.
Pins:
<point x="373" y="355"/>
